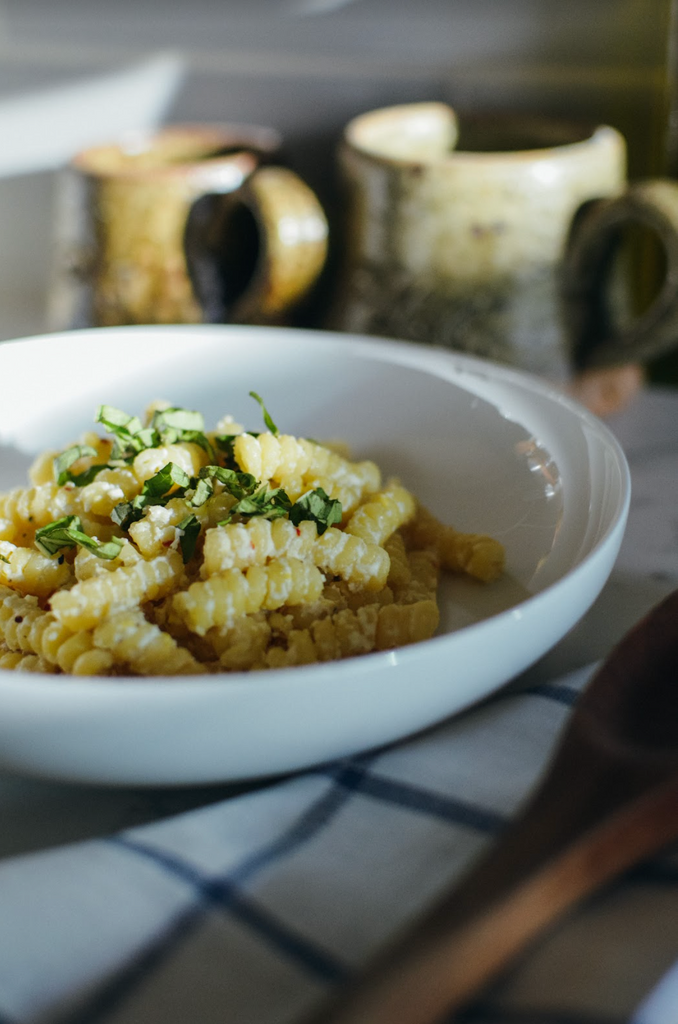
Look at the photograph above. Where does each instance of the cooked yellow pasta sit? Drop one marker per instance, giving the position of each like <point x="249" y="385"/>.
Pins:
<point x="91" y="600"/>
<point x="168" y="549"/>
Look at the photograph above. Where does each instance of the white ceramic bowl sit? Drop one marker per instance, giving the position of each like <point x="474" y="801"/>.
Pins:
<point x="487" y="448"/>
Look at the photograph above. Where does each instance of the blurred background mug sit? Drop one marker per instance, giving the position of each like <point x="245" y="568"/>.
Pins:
<point x="497" y="235"/>
<point x="192" y="223"/>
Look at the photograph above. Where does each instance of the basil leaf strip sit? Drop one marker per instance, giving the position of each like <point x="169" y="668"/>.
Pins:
<point x="203" y="491"/>
<point x="190" y="531"/>
<point x="67" y="533"/>
<point x="317" y="506"/>
<point x="240" y="485"/>
<point x="130" y="434"/>
<point x="157" y="490"/>
<point x="179" y="419"/>
<point x="63" y="462"/>
<point x="270" y="425"/>
<point x="264" y="503"/>
<point x="164" y="480"/>
<point x="176" y="425"/>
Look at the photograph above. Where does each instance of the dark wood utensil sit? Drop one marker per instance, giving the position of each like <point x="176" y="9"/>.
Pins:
<point x="609" y="799"/>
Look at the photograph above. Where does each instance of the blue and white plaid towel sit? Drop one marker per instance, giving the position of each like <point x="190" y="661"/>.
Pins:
<point x="250" y="910"/>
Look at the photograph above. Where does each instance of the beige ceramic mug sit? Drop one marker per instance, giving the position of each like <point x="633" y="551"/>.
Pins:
<point x="495" y="235"/>
<point x="193" y="223"/>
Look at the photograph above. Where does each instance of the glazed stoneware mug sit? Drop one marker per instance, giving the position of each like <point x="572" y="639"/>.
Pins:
<point x="192" y="223"/>
<point x="498" y="235"/>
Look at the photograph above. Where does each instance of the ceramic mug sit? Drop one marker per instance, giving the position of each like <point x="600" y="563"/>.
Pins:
<point x="495" y="235"/>
<point x="193" y="223"/>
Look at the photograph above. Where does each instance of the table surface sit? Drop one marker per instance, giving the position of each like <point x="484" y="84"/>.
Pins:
<point x="37" y="814"/>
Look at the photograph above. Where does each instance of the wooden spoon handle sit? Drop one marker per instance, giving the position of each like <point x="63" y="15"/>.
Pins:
<point x="441" y="963"/>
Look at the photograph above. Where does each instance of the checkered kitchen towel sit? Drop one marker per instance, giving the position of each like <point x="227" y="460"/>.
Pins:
<point x="250" y="910"/>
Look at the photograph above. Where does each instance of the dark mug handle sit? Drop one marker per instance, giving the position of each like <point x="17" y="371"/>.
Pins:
<point x="255" y="253"/>
<point x="599" y="336"/>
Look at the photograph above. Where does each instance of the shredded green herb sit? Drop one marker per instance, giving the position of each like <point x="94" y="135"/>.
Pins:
<point x="317" y="506"/>
<point x="270" y="425"/>
<point x="175" y="425"/>
<point x="169" y="482"/>
<point x="190" y="531"/>
<point x="67" y="532"/>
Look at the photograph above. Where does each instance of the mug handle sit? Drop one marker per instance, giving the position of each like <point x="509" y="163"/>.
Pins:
<point x="591" y="314"/>
<point x="254" y="254"/>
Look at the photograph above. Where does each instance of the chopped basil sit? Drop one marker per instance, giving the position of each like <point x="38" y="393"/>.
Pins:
<point x="318" y="507"/>
<point x="64" y="461"/>
<point x="202" y="491"/>
<point x="175" y="425"/>
<point x="165" y="479"/>
<point x="265" y="503"/>
<point x="67" y="533"/>
<point x="190" y="531"/>
<point x="157" y="490"/>
<point x="175" y="418"/>
<point x="131" y="437"/>
<point x="270" y="425"/>
<point x="240" y="485"/>
<point x="3" y="559"/>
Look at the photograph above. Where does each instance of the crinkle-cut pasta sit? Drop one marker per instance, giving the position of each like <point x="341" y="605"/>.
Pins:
<point x="382" y="514"/>
<point x="300" y="650"/>
<point x="283" y="459"/>
<point x="272" y="457"/>
<point x="17" y="661"/>
<point x="77" y="656"/>
<point x="41" y="470"/>
<point x="90" y="601"/>
<point x="109" y="487"/>
<point x="344" y="634"/>
<point x="22" y="621"/>
<point x="242" y="647"/>
<point x="239" y="545"/>
<point x="24" y="626"/>
<point x="401" y="624"/>
<point x="349" y="496"/>
<point x="476" y="554"/>
<point x="399" y="573"/>
<point x="29" y="508"/>
<point x="31" y="572"/>
<point x="142" y="646"/>
<point x="361" y="564"/>
<point x="187" y="456"/>
<point x="27" y="629"/>
<point x="158" y="530"/>
<point x="222" y="599"/>
<point x="424" y="576"/>
<point x="87" y="564"/>
<point x="254" y="593"/>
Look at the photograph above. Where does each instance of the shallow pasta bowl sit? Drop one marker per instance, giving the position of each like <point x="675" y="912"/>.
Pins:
<point x="486" y="448"/>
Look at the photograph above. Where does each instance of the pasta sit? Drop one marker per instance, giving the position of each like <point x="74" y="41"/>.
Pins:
<point x="166" y="549"/>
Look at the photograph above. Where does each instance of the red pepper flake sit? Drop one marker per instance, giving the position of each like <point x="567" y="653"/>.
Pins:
<point x="298" y="532"/>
